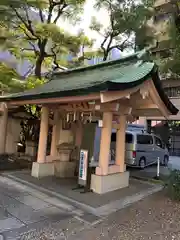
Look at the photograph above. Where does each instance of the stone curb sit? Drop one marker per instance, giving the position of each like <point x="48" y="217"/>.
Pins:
<point x="123" y="203"/>
<point x="75" y="203"/>
<point x="99" y="211"/>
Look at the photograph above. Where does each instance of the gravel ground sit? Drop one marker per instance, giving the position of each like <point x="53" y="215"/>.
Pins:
<point x="155" y="218"/>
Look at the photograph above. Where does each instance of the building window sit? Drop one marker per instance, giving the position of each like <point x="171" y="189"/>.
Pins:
<point x="172" y="91"/>
<point x="161" y="17"/>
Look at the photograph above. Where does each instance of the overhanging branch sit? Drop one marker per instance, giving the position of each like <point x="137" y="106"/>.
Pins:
<point x="27" y="24"/>
<point x="60" y="11"/>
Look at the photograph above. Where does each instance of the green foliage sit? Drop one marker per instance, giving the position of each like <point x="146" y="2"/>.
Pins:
<point x="33" y="82"/>
<point x="40" y="39"/>
<point x="9" y="80"/>
<point x="173" y="185"/>
<point x="172" y="63"/>
<point x="127" y="24"/>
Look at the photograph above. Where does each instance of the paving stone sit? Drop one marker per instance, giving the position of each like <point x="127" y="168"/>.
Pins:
<point x="78" y="212"/>
<point x="28" y="215"/>
<point x="89" y="218"/>
<point x="24" y="213"/>
<point x="59" y="203"/>
<point x="32" y="217"/>
<point x="33" y="202"/>
<point x="16" y="193"/>
<point x="52" y="210"/>
<point x="54" y="213"/>
<point x="3" y="213"/>
<point x="9" y="224"/>
<point x="46" y="230"/>
<point x="38" y="194"/>
<point x="1" y="237"/>
<point x="6" y="201"/>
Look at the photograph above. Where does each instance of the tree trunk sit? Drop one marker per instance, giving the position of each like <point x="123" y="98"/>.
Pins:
<point x="40" y="58"/>
<point x="38" y="67"/>
<point x="105" y="56"/>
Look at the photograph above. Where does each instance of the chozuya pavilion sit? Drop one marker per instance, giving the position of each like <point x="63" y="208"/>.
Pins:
<point x="108" y="94"/>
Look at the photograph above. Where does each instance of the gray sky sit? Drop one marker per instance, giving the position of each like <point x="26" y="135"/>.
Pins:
<point x="89" y="12"/>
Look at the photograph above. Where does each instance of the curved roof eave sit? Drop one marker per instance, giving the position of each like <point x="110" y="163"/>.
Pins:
<point x="158" y="85"/>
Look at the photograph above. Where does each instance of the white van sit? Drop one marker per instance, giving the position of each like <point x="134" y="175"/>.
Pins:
<point x="142" y="149"/>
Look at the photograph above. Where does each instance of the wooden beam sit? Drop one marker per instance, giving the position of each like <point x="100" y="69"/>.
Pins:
<point x="146" y="112"/>
<point x="144" y="90"/>
<point x="147" y="106"/>
<point x="70" y="99"/>
<point x="158" y="101"/>
<point x="116" y="95"/>
<point x="85" y="107"/>
<point x="161" y="118"/>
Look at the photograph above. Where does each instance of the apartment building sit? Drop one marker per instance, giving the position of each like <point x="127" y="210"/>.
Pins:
<point x="166" y="13"/>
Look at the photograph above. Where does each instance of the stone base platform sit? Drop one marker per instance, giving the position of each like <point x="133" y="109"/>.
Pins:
<point x="40" y="170"/>
<point x="64" y="169"/>
<point x="55" y="168"/>
<point x="112" y="182"/>
<point x="98" y="204"/>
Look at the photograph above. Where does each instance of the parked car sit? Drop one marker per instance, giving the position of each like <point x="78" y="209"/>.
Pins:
<point x="143" y="149"/>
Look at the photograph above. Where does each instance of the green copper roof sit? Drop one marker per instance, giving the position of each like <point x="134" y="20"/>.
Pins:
<point x="119" y="74"/>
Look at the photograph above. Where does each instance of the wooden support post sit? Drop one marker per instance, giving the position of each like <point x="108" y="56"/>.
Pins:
<point x="120" y="143"/>
<point x="3" y="129"/>
<point x="104" y="155"/>
<point x="41" y="158"/>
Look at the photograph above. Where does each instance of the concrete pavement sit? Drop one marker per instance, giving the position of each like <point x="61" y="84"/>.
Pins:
<point x="33" y="215"/>
<point x="29" y="213"/>
<point x="154" y="218"/>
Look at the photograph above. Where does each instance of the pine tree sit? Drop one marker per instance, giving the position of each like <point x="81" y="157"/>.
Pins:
<point x="127" y="25"/>
<point x="30" y="31"/>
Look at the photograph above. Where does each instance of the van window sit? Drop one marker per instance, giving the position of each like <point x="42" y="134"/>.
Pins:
<point x="113" y="137"/>
<point x="129" y="138"/>
<point x="144" y="139"/>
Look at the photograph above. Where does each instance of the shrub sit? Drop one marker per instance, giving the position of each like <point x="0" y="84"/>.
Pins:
<point x="173" y="185"/>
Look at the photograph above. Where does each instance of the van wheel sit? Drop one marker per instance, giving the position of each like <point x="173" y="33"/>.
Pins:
<point x="166" y="160"/>
<point x="142" y="163"/>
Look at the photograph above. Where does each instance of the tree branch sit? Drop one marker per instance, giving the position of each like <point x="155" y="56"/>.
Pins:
<point x="60" y="11"/>
<point x="121" y="45"/>
<point x="41" y="15"/>
<point x="27" y="24"/>
<point x="102" y="44"/>
<point x="27" y="35"/>
<point x="54" y="58"/>
<point x="111" y="15"/>
<point x="108" y="47"/>
<point x="36" y="52"/>
<point x="26" y="11"/>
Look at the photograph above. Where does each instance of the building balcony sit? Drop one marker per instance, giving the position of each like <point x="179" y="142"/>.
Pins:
<point x="171" y="6"/>
<point x="163" y="48"/>
<point x="166" y="10"/>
